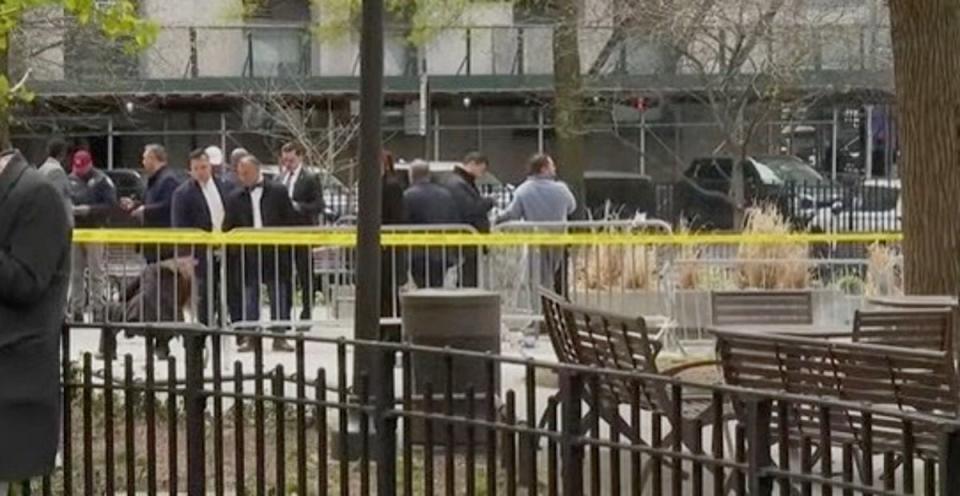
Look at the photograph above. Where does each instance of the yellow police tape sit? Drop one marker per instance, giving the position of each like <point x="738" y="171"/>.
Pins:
<point x="347" y="238"/>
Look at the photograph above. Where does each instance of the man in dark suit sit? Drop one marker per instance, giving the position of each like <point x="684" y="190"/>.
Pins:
<point x="426" y="202"/>
<point x="156" y="209"/>
<point x="306" y="195"/>
<point x="259" y="204"/>
<point x="34" y="271"/>
<point x="473" y="207"/>
<point x="199" y="203"/>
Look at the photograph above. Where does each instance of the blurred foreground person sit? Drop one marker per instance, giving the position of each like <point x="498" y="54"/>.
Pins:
<point x="34" y="268"/>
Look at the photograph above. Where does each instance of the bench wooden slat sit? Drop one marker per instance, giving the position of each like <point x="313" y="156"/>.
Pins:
<point x="899" y="378"/>
<point x="761" y="307"/>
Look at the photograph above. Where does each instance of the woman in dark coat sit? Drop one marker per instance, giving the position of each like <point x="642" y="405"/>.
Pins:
<point x="34" y="270"/>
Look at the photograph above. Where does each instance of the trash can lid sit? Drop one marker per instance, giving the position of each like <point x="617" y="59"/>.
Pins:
<point x="465" y="296"/>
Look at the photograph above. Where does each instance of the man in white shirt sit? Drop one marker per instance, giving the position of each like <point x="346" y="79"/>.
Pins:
<point x="199" y="204"/>
<point x="306" y="195"/>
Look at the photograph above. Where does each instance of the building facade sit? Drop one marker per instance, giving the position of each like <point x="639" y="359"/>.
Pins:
<point x="217" y="75"/>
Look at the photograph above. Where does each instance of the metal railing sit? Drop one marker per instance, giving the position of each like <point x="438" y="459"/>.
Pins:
<point x="295" y="51"/>
<point x="473" y="423"/>
<point x="311" y="284"/>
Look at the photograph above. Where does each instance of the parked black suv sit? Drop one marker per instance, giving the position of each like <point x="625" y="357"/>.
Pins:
<point x="785" y="181"/>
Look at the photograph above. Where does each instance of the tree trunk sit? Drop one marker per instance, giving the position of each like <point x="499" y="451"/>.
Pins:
<point x="568" y="123"/>
<point x="925" y="37"/>
<point x="5" y="105"/>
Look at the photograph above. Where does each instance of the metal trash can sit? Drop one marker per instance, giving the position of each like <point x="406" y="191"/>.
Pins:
<point x="462" y="319"/>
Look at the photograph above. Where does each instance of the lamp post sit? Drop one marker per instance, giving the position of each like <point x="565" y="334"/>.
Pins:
<point x="367" y="316"/>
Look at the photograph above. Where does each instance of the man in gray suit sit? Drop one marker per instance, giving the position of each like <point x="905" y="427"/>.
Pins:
<point x="34" y="270"/>
<point x="52" y="169"/>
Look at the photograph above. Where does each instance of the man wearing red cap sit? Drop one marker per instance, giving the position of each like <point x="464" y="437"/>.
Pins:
<point x="94" y="198"/>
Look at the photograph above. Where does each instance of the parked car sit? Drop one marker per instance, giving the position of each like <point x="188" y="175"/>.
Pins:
<point x="785" y="181"/>
<point x="129" y="183"/>
<point x="872" y="206"/>
<point x="620" y="195"/>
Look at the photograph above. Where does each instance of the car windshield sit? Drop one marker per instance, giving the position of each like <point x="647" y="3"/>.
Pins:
<point x="331" y="182"/>
<point x="878" y="198"/>
<point x="786" y="170"/>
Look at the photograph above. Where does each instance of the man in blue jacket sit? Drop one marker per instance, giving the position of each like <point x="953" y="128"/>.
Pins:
<point x="156" y="209"/>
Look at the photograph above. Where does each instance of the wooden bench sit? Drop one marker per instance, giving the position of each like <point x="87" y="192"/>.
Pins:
<point x="920" y="329"/>
<point x="593" y="338"/>
<point x="761" y="307"/>
<point x="901" y="379"/>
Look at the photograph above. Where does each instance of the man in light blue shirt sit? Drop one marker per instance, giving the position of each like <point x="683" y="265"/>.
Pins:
<point x="542" y="198"/>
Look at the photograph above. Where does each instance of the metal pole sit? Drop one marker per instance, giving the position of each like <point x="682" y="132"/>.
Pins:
<point x="367" y="312"/>
<point x="835" y="143"/>
<point x="370" y="185"/>
<point x="436" y="134"/>
<point x="643" y="143"/>
<point x="223" y="133"/>
<point x="868" y="149"/>
<point x="196" y="405"/>
<point x="540" y="132"/>
<point x="110" y="143"/>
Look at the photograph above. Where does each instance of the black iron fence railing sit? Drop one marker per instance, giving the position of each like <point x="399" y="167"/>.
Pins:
<point x="345" y="417"/>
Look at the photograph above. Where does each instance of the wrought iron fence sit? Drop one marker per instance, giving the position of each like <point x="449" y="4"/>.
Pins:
<point x="416" y="420"/>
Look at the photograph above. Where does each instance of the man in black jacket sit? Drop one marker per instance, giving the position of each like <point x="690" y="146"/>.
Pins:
<point x="199" y="203"/>
<point x="34" y="267"/>
<point x="474" y="209"/>
<point x="425" y="202"/>
<point x="158" y="199"/>
<point x="258" y="204"/>
<point x="94" y="201"/>
<point x="306" y="195"/>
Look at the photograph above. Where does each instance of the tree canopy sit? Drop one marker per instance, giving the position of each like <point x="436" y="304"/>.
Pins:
<point x="118" y="21"/>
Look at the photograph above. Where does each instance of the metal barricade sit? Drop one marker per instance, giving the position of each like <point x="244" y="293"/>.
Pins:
<point x="294" y="276"/>
<point x="593" y="275"/>
<point x="119" y="282"/>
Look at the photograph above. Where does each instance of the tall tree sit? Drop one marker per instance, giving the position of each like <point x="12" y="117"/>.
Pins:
<point x="926" y="68"/>
<point x="117" y="20"/>
<point x="569" y="97"/>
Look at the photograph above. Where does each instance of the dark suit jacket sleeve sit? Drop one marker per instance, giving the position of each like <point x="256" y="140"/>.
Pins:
<point x="310" y="200"/>
<point x="287" y="212"/>
<point x="153" y="212"/>
<point x="230" y="206"/>
<point x="181" y="208"/>
<point x="37" y="244"/>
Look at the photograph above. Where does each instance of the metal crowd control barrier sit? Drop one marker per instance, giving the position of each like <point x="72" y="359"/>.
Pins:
<point x="134" y="283"/>
<point x="301" y="279"/>
<point x="584" y="274"/>
<point x="295" y="275"/>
